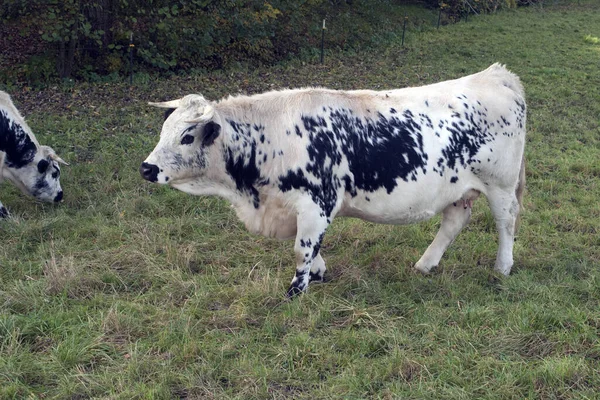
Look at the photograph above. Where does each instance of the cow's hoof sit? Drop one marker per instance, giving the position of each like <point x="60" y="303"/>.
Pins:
<point x="316" y="278"/>
<point x="294" y="291"/>
<point x="503" y="270"/>
<point x="422" y="268"/>
<point x="4" y="212"/>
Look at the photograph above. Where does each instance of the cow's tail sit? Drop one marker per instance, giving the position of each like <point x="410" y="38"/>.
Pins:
<point x="520" y="191"/>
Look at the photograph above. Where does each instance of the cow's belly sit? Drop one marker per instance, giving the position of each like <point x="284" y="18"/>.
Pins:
<point x="387" y="212"/>
<point x="407" y="204"/>
<point x="394" y="217"/>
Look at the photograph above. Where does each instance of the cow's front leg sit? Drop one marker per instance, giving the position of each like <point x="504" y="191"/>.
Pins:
<point x="317" y="270"/>
<point x="312" y="224"/>
<point x="3" y="211"/>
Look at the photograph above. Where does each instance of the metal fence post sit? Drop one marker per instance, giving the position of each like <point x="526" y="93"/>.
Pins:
<point x="323" y="42"/>
<point x="131" y="46"/>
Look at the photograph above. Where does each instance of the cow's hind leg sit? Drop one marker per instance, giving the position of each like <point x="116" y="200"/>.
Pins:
<point x="312" y="224"/>
<point x="505" y="209"/>
<point x="455" y="217"/>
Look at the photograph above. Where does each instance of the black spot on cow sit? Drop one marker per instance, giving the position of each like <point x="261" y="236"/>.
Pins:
<point x="378" y="151"/>
<point x="323" y="195"/>
<point x="349" y="186"/>
<point x="317" y="246"/>
<point x="305" y="243"/>
<point x="454" y="179"/>
<point x="40" y="186"/>
<point x="43" y="166"/>
<point x="240" y="127"/>
<point x="393" y="110"/>
<point x="466" y="137"/>
<point x="425" y="120"/>
<point x="15" y="142"/>
<point x="241" y="162"/>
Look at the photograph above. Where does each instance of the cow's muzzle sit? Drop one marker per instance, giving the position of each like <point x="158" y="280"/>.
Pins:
<point x="149" y="172"/>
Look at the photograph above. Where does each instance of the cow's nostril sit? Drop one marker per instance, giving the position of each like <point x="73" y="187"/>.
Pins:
<point x="58" y="197"/>
<point x="149" y="172"/>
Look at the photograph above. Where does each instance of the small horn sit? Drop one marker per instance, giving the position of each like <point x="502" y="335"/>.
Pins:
<point x="207" y="113"/>
<point x="167" y="104"/>
<point x="56" y="158"/>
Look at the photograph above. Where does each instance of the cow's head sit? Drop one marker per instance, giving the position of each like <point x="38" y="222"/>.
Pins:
<point x="187" y="138"/>
<point x="36" y="173"/>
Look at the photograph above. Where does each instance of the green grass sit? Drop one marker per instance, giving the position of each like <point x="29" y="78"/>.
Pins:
<point x="129" y="290"/>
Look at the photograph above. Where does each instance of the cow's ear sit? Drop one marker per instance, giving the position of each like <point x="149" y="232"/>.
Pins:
<point x="211" y="132"/>
<point x="168" y="112"/>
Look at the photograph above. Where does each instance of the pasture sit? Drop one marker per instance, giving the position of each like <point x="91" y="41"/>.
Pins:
<point x="130" y="290"/>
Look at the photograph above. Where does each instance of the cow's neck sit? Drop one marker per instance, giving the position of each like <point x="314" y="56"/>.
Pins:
<point x="243" y="135"/>
<point x="17" y="143"/>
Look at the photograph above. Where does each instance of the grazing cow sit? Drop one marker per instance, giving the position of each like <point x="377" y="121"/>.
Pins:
<point x="32" y="168"/>
<point x="290" y="161"/>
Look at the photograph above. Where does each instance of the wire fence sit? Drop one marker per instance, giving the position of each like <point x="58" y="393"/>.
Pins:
<point x="443" y="17"/>
<point x="468" y="11"/>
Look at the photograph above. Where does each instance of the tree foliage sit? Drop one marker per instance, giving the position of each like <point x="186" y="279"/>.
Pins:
<point x="87" y="38"/>
<point x="95" y="35"/>
<point x="458" y="8"/>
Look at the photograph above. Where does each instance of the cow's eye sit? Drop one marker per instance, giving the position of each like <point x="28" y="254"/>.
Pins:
<point x="187" y="139"/>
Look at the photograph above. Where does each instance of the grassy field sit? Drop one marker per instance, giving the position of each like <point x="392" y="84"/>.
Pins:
<point x="134" y="291"/>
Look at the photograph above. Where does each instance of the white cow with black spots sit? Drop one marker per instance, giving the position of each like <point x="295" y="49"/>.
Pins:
<point x="34" y="169"/>
<point x="290" y="161"/>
